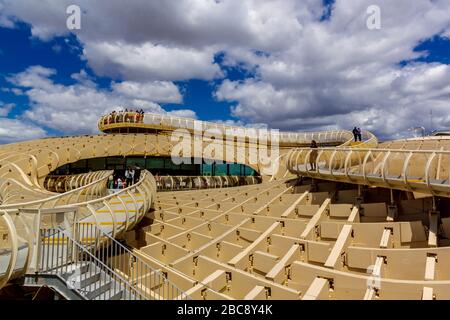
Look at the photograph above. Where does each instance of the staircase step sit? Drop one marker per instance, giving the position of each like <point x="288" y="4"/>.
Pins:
<point x="95" y="289"/>
<point x="72" y="268"/>
<point x="89" y="278"/>
<point x="111" y="294"/>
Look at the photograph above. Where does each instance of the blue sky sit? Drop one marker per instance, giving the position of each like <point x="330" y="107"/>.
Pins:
<point x="296" y="70"/>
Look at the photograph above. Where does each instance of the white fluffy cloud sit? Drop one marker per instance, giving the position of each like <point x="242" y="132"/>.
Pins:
<point x="150" y="62"/>
<point x="76" y="108"/>
<point x="159" y="91"/>
<point x="309" y="74"/>
<point x="13" y="130"/>
<point x="338" y="73"/>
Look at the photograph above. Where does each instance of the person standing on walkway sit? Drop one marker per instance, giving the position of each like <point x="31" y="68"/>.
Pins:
<point x="128" y="177"/>
<point x="313" y="155"/>
<point x="132" y="172"/>
<point x="111" y="182"/>
<point x="355" y="134"/>
<point x="359" y="134"/>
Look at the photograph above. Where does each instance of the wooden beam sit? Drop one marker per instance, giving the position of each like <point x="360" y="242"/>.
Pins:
<point x="238" y="260"/>
<point x="291" y="208"/>
<point x="341" y="242"/>
<point x="427" y="293"/>
<point x="277" y="271"/>
<point x="257" y="293"/>
<point x="317" y="290"/>
<point x="385" y="238"/>
<point x="430" y="267"/>
<point x="432" y="233"/>
<point x="354" y="215"/>
<point x="315" y="218"/>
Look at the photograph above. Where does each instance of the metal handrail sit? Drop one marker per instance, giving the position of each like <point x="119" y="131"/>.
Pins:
<point x="48" y="260"/>
<point x="119" y="249"/>
<point x="132" y="272"/>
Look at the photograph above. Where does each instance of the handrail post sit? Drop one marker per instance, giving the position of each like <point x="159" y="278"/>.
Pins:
<point x="38" y="241"/>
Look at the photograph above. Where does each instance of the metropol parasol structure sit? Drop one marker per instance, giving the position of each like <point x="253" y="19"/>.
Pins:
<point x="371" y="221"/>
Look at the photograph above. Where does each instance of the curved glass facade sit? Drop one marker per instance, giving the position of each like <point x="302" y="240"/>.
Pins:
<point x="156" y="165"/>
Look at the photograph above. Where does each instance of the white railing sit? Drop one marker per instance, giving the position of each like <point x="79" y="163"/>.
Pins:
<point x="65" y="183"/>
<point x="170" y="183"/>
<point x="172" y="123"/>
<point x="411" y="170"/>
<point x="92" y="189"/>
<point x="146" y="187"/>
<point x="369" y="141"/>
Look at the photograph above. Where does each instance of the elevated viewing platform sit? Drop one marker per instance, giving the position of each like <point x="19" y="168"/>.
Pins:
<point x="136" y="122"/>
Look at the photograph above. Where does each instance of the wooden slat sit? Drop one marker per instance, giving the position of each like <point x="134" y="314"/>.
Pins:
<point x="353" y="215"/>
<point x="292" y="207"/>
<point x="237" y="261"/>
<point x="315" y="219"/>
<point x="432" y="234"/>
<point x="430" y="267"/>
<point x="342" y="240"/>
<point x="257" y="293"/>
<point x="427" y="293"/>
<point x="318" y="289"/>
<point x="385" y="238"/>
<point x="278" y="269"/>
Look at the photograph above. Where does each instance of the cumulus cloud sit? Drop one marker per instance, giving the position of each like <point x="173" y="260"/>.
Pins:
<point x="14" y="130"/>
<point x="338" y="73"/>
<point x="76" y="108"/>
<point x="307" y="73"/>
<point x="150" y="62"/>
<point x="159" y="91"/>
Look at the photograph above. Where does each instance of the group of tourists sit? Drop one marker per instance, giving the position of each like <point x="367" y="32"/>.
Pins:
<point x="126" y="115"/>
<point x="131" y="176"/>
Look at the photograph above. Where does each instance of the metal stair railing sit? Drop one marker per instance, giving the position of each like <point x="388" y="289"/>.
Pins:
<point x="149" y="282"/>
<point x="81" y="269"/>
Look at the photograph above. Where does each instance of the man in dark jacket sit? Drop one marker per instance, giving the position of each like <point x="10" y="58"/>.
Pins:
<point x="355" y="133"/>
